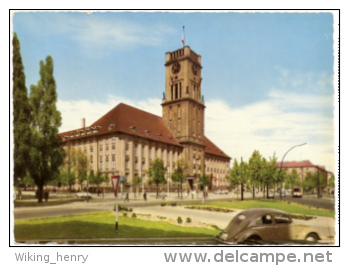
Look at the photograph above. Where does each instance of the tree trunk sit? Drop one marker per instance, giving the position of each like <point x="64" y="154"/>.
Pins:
<point x="181" y="191"/>
<point x="253" y="191"/>
<point x="242" y="191"/>
<point x="267" y="190"/>
<point x="264" y="191"/>
<point x="40" y="193"/>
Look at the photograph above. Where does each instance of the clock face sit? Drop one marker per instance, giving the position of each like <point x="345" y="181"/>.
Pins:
<point x="194" y="68"/>
<point x="176" y="67"/>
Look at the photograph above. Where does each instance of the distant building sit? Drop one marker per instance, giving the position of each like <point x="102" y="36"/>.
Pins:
<point x="126" y="140"/>
<point x="302" y="167"/>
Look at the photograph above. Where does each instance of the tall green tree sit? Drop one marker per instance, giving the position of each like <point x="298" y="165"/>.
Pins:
<point x="269" y="173"/>
<point x="67" y="177"/>
<point x="97" y="179"/>
<point x="81" y="166"/>
<point x="21" y="115"/>
<point x="239" y="175"/>
<point x="331" y="183"/>
<point x="204" y="180"/>
<point x="179" y="174"/>
<point x="157" y="172"/>
<point x="135" y="182"/>
<point x="46" y="153"/>
<point x="255" y="166"/>
<point x="292" y="179"/>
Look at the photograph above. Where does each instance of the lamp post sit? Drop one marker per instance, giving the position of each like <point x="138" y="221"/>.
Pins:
<point x="283" y="161"/>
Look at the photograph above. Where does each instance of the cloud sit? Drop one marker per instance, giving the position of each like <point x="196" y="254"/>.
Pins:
<point x="263" y="126"/>
<point x="271" y="127"/>
<point x="73" y="111"/>
<point x="94" y="34"/>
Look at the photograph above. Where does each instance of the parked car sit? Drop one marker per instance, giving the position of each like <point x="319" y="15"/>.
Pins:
<point x="266" y="226"/>
<point x="84" y="195"/>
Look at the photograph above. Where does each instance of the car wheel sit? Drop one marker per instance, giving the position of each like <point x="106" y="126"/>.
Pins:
<point x="253" y="239"/>
<point x="312" y="237"/>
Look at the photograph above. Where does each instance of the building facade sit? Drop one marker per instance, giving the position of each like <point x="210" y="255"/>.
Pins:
<point x="126" y="139"/>
<point x="303" y="167"/>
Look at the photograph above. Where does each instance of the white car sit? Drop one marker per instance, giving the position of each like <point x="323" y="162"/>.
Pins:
<point x="84" y="195"/>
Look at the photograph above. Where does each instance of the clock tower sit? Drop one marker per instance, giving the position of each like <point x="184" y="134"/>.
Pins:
<point x="183" y="109"/>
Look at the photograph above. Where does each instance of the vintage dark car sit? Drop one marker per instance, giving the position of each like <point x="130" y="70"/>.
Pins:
<point x="267" y="226"/>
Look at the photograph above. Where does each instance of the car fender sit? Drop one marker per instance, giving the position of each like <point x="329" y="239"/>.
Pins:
<point x="245" y="235"/>
<point x="307" y="230"/>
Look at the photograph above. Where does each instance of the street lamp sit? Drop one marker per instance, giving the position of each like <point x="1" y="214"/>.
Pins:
<point x="283" y="161"/>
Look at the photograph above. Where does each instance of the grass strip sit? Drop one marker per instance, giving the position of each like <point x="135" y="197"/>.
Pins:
<point x="281" y="205"/>
<point x="102" y="225"/>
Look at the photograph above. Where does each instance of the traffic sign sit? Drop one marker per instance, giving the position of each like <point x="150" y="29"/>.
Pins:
<point x="115" y="182"/>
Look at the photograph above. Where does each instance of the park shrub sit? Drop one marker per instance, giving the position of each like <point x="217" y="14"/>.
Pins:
<point x="179" y="220"/>
<point x="123" y="208"/>
<point x="188" y="220"/>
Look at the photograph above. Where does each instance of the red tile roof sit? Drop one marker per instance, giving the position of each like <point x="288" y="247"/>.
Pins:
<point x="295" y="164"/>
<point x="211" y="148"/>
<point x="133" y="121"/>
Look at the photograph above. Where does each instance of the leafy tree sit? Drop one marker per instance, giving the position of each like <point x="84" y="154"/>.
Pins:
<point x="67" y="177"/>
<point x="204" y="180"/>
<point x="309" y="182"/>
<point x="157" y="172"/>
<point x="135" y="182"/>
<point x="97" y="179"/>
<point x="27" y="181"/>
<point x="292" y="179"/>
<point x="238" y="175"/>
<point x="46" y="153"/>
<point x="255" y="166"/>
<point x="179" y="174"/>
<point x="314" y="181"/>
<point x="331" y="182"/>
<point x="280" y="178"/>
<point x="269" y="173"/>
<point x="81" y="166"/>
<point x="21" y="116"/>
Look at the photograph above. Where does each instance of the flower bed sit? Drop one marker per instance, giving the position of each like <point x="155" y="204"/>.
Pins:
<point x="205" y="208"/>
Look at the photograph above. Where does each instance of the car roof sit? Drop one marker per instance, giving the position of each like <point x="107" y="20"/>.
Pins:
<point x="260" y="211"/>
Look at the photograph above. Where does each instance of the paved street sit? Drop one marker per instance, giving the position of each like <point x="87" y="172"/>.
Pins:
<point x="107" y="202"/>
<point x="152" y="206"/>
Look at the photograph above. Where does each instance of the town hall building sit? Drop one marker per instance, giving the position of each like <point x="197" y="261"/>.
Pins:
<point x="125" y="140"/>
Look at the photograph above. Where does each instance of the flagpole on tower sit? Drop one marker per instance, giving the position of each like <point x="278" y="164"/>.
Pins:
<point x="183" y="37"/>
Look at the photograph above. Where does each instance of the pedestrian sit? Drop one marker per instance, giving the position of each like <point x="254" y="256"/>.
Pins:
<point x="126" y="197"/>
<point x="145" y="196"/>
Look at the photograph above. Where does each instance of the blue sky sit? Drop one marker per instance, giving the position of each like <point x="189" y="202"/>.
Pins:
<point x="267" y="77"/>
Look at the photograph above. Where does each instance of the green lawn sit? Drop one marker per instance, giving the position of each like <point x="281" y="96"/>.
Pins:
<point x="281" y="205"/>
<point x="50" y="202"/>
<point x="102" y="225"/>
